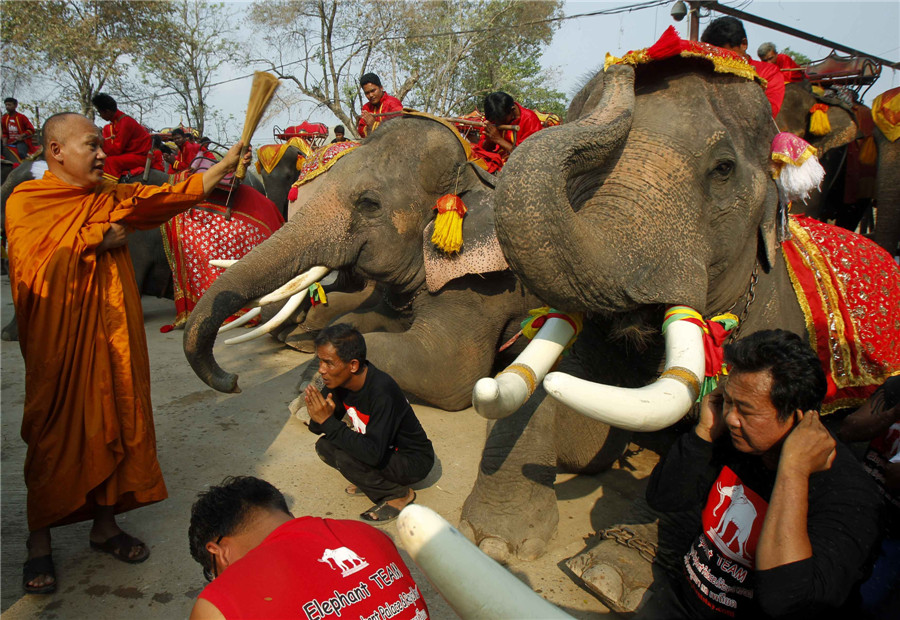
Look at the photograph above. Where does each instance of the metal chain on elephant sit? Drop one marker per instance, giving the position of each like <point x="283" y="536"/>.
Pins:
<point x="627" y="538"/>
<point x="750" y="295"/>
<point x="404" y="307"/>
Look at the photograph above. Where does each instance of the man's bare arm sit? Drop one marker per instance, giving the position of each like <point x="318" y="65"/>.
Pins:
<point x="784" y="538"/>
<point x="228" y="164"/>
<point x="204" y="610"/>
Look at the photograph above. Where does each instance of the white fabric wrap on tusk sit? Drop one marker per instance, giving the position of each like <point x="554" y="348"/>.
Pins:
<point x="504" y="394"/>
<point x="476" y="586"/>
<point x="652" y="407"/>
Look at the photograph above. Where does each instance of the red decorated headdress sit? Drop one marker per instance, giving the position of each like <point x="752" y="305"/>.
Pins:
<point x="671" y="45"/>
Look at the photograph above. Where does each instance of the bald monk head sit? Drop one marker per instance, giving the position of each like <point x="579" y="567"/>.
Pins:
<point x="72" y="147"/>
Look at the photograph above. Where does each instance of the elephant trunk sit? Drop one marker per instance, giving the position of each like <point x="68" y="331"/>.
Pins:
<point x="559" y="254"/>
<point x="264" y="268"/>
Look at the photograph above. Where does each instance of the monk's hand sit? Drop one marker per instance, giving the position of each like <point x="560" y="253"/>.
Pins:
<point x="711" y="424"/>
<point x="233" y="156"/>
<point x="809" y="447"/>
<point x="114" y="237"/>
<point x="318" y="407"/>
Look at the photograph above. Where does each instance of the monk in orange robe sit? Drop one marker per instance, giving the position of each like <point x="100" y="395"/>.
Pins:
<point x="87" y="416"/>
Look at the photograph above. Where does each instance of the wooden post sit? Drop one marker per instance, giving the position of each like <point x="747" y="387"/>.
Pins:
<point x="694" y="17"/>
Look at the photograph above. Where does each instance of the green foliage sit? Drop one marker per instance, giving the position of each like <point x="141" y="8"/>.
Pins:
<point x="186" y="59"/>
<point x="440" y="56"/>
<point x="85" y="46"/>
<point x="800" y="59"/>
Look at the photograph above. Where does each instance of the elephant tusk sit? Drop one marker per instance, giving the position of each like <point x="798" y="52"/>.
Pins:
<point x="294" y="286"/>
<point x="241" y="320"/>
<point x="503" y="395"/>
<point x="273" y="323"/>
<point x="475" y="585"/>
<point x="651" y="407"/>
<point x="222" y="263"/>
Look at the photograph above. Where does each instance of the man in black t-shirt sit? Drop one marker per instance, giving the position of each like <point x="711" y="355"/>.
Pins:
<point x="386" y="449"/>
<point x="787" y="520"/>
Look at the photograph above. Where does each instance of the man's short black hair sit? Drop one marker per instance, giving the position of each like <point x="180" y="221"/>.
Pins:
<point x="222" y="510"/>
<point x="798" y="381"/>
<point x="724" y="31"/>
<point x="346" y="340"/>
<point x="205" y="140"/>
<point x="497" y="106"/>
<point x="339" y="129"/>
<point x="12" y="100"/>
<point x="370" y="78"/>
<point x="178" y="131"/>
<point x="104" y="102"/>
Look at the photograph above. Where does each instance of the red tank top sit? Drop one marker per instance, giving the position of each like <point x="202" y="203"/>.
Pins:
<point x="318" y="569"/>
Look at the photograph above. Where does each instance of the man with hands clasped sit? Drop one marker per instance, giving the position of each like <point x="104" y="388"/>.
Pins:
<point x="787" y="518"/>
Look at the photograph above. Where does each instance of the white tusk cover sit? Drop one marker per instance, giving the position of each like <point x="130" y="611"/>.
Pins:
<point x="241" y="320"/>
<point x="476" y="586"/>
<point x="295" y="285"/>
<point x="222" y="263"/>
<point x="651" y="407"/>
<point x="273" y="323"/>
<point x="504" y="394"/>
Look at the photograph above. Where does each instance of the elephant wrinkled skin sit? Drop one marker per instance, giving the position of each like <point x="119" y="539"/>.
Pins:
<point x="658" y="195"/>
<point x="438" y="321"/>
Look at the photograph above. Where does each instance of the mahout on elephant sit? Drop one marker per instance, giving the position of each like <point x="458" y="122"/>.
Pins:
<point x="437" y="320"/>
<point x="660" y="194"/>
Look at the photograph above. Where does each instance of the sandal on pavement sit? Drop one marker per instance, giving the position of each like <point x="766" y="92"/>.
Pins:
<point x="120" y="546"/>
<point x="34" y="568"/>
<point x="384" y="512"/>
<point x="354" y="490"/>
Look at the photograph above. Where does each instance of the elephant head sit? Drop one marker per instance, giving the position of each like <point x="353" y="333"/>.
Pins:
<point x="659" y="195"/>
<point x="278" y="165"/>
<point x="369" y="213"/>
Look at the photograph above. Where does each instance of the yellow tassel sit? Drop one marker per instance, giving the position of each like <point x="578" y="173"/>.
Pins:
<point x="322" y="298"/>
<point x="868" y="152"/>
<point x="447" y="234"/>
<point x="818" y="120"/>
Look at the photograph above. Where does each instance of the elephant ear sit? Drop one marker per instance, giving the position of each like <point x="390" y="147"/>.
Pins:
<point x="768" y="229"/>
<point x="480" y="252"/>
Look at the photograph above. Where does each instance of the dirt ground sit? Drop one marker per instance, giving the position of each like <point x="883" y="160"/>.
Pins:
<point x="204" y="436"/>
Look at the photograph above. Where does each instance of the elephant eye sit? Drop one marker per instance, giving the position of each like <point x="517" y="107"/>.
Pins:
<point x="368" y="204"/>
<point x="723" y="169"/>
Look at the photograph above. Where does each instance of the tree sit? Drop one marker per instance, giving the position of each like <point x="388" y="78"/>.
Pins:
<point x="83" y="46"/>
<point x="189" y="58"/>
<point x="800" y="59"/>
<point x="440" y="57"/>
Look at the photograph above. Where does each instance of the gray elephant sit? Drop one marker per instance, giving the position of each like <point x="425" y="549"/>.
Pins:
<point x="281" y="169"/>
<point x="887" y="190"/>
<point x="660" y="194"/>
<point x="148" y="256"/>
<point x="438" y="320"/>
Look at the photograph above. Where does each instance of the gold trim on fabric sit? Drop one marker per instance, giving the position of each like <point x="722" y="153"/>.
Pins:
<point x="809" y="151"/>
<point x="524" y="371"/>
<point x="684" y="376"/>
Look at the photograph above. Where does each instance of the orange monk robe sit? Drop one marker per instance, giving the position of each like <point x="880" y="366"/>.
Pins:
<point x="88" y="421"/>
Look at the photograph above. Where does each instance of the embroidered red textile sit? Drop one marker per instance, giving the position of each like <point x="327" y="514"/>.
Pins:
<point x="849" y="289"/>
<point x="202" y="234"/>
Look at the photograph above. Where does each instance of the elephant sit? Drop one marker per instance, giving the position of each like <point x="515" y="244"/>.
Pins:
<point x="148" y="256"/>
<point x="887" y="192"/>
<point x="278" y="181"/>
<point x="659" y="194"/>
<point x="438" y="319"/>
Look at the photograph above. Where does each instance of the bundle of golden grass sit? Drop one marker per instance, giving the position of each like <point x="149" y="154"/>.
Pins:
<point x="261" y="92"/>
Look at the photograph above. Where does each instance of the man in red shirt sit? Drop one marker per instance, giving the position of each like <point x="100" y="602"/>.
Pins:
<point x="379" y="103"/>
<point x="187" y="151"/>
<point x="125" y="141"/>
<point x="768" y="53"/>
<point x="17" y="129"/>
<point x="728" y="33"/>
<point x="263" y="563"/>
<point x="501" y="109"/>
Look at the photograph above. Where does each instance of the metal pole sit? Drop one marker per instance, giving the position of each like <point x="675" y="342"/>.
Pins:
<point x="694" y="16"/>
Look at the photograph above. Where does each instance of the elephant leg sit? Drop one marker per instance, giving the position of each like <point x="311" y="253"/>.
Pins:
<point x="339" y="303"/>
<point x="512" y="508"/>
<point x="10" y="332"/>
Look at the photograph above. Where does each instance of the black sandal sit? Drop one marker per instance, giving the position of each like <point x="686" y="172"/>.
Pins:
<point x="384" y="512"/>
<point x="120" y="546"/>
<point x="35" y="567"/>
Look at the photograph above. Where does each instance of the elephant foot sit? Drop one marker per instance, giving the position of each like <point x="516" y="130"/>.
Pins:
<point x="507" y="525"/>
<point x="302" y="340"/>
<point x="10" y="333"/>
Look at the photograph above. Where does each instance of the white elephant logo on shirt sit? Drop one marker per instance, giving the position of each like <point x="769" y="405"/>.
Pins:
<point x="359" y="424"/>
<point x="343" y="559"/>
<point x="741" y="512"/>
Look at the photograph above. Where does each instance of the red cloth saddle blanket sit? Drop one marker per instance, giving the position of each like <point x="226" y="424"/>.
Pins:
<point x="849" y="289"/>
<point x="202" y="234"/>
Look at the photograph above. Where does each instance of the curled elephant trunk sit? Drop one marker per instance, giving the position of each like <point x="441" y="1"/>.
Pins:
<point x="474" y="584"/>
<point x="502" y="396"/>
<point x="562" y="254"/>
<point x="652" y="407"/>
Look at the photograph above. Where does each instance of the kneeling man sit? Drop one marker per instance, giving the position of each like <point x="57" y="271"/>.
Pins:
<point x="789" y="518"/>
<point x="386" y="449"/>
